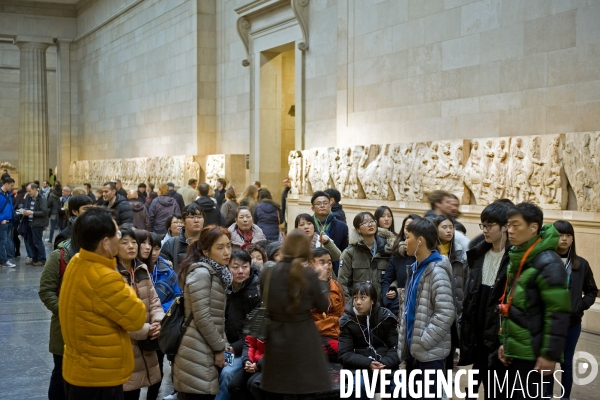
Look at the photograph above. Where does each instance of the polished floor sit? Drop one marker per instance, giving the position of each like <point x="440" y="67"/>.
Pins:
<point x="26" y="364"/>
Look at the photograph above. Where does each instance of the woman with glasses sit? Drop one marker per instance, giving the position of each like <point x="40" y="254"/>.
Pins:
<point x="243" y="231"/>
<point x="365" y="259"/>
<point x="173" y="224"/>
<point x="146" y="371"/>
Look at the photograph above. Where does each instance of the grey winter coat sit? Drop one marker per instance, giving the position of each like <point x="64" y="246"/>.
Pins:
<point x="193" y="369"/>
<point x="162" y="208"/>
<point x="431" y="338"/>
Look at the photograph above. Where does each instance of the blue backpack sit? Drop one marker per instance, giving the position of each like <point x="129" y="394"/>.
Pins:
<point x="165" y="288"/>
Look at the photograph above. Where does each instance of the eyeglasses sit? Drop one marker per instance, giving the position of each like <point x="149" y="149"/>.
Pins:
<point x="321" y="204"/>
<point x="368" y="223"/>
<point x="487" y="227"/>
<point x="194" y="217"/>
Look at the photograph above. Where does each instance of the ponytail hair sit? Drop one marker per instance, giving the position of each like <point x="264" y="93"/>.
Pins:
<point x="297" y="247"/>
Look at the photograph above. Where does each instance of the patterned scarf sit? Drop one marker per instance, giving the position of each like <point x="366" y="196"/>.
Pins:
<point x="323" y="226"/>
<point x="221" y="270"/>
<point x="246" y="237"/>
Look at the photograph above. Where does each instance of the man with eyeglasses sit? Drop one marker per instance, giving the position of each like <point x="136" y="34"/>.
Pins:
<point x="175" y="248"/>
<point x="326" y="223"/>
<point x="487" y="261"/>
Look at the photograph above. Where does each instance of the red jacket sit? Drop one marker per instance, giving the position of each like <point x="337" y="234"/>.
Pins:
<point x="254" y="350"/>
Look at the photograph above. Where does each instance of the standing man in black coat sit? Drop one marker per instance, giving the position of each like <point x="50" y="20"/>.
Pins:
<point x="212" y="215"/>
<point x="122" y="209"/>
<point x="176" y="196"/>
<point x="36" y="212"/>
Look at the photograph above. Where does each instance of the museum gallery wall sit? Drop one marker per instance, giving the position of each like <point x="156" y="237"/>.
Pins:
<point x="478" y="171"/>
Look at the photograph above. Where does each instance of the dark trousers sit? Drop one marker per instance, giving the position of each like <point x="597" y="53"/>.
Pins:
<point x="567" y="366"/>
<point x="15" y="239"/>
<point x="132" y="394"/>
<point x="93" y="393"/>
<point x="36" y="243"/>
<point x="194" y="396"/>
<point x="245" y="386"/>
<point x="153" y="390"/>
<point x="487" y="368"/>
<point x="56" y="391"/>
<point x="412" y="364"/>
<point x="521" y="384"/>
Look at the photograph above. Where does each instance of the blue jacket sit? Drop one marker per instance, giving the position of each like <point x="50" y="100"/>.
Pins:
<point x="6" y="204"/>
<point x="268" y="216"/>
<point x="165" y="283"/>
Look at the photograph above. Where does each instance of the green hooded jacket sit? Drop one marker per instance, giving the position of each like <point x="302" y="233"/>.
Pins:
<point x="539" y="316"/>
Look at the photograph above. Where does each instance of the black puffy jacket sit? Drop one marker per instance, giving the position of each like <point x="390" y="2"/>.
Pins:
<point x="479" y="316"/>
<point x="212" y="214"/>
<point x="354" y="351"/>
<point x="239" y="304"/>
<point x="582" y="281"/>
<point x="397" y="271"/>
<point x="122" y="209"/>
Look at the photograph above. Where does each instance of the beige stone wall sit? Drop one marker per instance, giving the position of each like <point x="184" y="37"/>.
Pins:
<point x="138" y="79"/>
<point x="233" y="83"/>
<point x="461" y="69"/>
<point x="9" y="103"/>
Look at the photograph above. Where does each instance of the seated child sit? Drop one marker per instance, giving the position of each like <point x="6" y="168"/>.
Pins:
<point x="368" y="336"/>
<point x="245" y="384"/>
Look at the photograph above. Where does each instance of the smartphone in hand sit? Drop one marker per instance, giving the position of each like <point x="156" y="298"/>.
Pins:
<point x="229" y="358"/>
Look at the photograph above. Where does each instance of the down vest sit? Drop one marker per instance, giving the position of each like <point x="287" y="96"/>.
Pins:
<point x="96" y="309"/>
<point x="193" y="369"/>
<point x="431" y="339"/>
<point x="146" y="371"/>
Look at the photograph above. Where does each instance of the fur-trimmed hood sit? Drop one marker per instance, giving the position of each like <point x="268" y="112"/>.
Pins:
<point x="356" y="239"/>
<point x="461" y="241"/>
<point x="389" y="236"/>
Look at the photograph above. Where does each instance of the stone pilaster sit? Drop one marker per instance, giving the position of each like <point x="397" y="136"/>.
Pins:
<point x="63" y="94"/>
<point x="33" y="108"/>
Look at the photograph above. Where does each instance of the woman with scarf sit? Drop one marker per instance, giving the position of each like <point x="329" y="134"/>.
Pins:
<point x="204" y="278"/>
<point x="368" y="333"/>
<point x="146" y="371"/>
<point x="306" y="223"/>
<point x="244" y="231"/>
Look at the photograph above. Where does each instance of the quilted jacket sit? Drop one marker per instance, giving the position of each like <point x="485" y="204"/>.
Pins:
<point x="146" y="371"/>
<point x="96" y="308"/>
<point x="204" y="295"/>
<point x="359" y="265"/>
<point x="431" y="339"/>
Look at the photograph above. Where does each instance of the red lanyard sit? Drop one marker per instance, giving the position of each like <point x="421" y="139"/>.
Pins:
<point x="512" y="292"/>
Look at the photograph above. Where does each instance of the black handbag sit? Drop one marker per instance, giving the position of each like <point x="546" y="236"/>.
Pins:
<point x="148" y="344"/>
<point x="172" y="328"/>
<point x="258" y="322"/>
<point x="22" y="227"/>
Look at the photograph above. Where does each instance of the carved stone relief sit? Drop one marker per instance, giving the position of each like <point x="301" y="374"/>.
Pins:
<point x="132" y="171"/>
<point x="524" y="168"/>
<point x="582" y="167"/>
<point x="215" y="168"/>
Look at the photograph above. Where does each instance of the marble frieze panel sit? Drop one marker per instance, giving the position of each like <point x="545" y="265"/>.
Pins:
<point x="537" y="168"/>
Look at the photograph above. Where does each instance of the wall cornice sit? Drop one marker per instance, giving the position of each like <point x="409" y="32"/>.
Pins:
<point x="108" y="20"/>
<point x="38" y="8"/>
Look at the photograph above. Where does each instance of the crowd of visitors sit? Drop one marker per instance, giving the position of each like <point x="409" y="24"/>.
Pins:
<point x="365" y="296"/>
